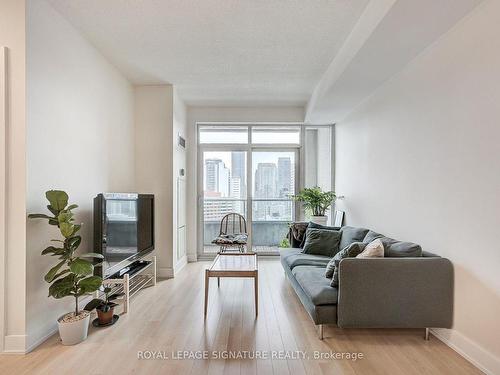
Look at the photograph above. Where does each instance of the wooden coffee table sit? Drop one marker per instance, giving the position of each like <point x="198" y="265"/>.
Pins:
<point x="234" y="265"/>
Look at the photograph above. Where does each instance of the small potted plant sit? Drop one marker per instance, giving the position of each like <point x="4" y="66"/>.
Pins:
<point x="104" y="307"/>
<point x="316" y="202"/>
<point x="72" y="276"/>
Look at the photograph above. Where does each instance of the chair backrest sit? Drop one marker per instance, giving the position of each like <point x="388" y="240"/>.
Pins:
<point x="233" y="223"/>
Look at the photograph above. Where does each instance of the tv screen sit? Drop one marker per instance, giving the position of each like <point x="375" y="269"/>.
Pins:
<point x="123" y="229"/>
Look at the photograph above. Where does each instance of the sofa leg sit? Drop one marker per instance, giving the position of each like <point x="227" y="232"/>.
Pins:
<point x="321" y="331"/>
<point x="427" y="332"/>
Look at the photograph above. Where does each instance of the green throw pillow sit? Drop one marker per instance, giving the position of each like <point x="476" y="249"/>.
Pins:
<point x="322" y="242"/>
<point x="332" y="268"/>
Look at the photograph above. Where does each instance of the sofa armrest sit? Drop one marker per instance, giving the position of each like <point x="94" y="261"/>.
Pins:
<point x="395" y="292"/>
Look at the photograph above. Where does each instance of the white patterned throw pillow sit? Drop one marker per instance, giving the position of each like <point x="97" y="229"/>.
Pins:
<point x="374" y="249"/>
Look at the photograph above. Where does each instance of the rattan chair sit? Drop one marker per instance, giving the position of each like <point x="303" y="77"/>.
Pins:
<point x="232" y="233"/>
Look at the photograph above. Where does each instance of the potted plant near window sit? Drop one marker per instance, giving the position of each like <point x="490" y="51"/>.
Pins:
<point x="104" y="307"/>
<point x="72" y="275"/>
<point x="316" y="202"/>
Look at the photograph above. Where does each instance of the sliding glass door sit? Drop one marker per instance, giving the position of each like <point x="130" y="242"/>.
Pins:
<point x="251" y="170"/>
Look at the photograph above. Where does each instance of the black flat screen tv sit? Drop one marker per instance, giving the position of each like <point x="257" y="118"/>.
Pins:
<point x="123" y="229"/>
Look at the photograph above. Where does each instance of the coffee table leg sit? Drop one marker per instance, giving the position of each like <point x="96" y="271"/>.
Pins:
<point x="206" y="291"/>
<point x="256" y="291"/>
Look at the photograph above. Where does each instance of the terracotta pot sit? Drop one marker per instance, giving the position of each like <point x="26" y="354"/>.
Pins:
<point x="105" y="317"/>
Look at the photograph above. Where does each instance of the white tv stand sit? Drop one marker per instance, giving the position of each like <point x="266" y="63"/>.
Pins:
<point x="131" y="284"/>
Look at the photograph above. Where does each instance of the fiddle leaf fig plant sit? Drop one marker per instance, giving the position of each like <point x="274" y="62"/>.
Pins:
<point x="72" y="275"/>
<point x="315" y="200"/>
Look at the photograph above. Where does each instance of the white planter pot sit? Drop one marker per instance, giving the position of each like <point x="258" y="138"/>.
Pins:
<point x="319" y="219"/>
<point x="73" y="332"/>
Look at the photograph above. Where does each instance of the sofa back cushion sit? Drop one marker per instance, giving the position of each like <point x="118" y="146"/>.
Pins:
<point x="312" y="225"/>
<point x="350" y="251"/>
<point x="351" y="235"/>
<point x="371" y="235"/>
<point x="322" y="242"/>
<point x="400" y="249"/>
<point x="394" y="248"/>
<point x="320" y="226"/>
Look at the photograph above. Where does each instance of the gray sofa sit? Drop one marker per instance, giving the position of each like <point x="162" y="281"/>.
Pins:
<point x="408" y="288"/>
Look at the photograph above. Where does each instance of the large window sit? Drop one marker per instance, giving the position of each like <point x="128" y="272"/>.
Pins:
<point x="253" y="170"/>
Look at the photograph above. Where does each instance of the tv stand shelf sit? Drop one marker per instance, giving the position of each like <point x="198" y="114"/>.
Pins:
<point x="132" y="281"/>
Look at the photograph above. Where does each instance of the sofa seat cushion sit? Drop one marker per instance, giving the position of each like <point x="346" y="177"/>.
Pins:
<point x="314" y="284"/>
<point x="294" y="257"/>
<point x="351" y="235"/>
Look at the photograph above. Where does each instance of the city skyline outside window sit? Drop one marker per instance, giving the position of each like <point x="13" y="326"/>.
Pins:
<point x="225" y="190"/>
<point x="226" y="183"/>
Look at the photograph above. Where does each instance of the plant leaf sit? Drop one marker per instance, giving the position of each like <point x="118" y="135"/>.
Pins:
<point x="63" y="287"/>
<point x="81" y="267"/>
<point x="72" y="207"/>
<point x="54" y="211"/>
<point x="74" y="242"/>
<point x="40" y="216"/>
<point x="96" y="302"/>
<point x="49" y="277"/>
<point x="65" y="217"/>
<point x="90" y="284"/>
<point x="61" y="273"/>
<point x="58" y="199"/>
<point x="66" y="229"/>
<point x="91" y="255"/>
<point x="51" y="249"/>
<point x="76" y="228"/>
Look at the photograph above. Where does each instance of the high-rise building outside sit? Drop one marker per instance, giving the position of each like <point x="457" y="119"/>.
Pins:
<point x="265" y="180"/>
<point x="238" y="170"/>
<point x="216" y="177"/>
<point x="285" y="187"/>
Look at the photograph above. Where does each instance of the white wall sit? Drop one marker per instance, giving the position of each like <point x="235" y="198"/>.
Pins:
<point x="419" y="161"/>
<point x="154" y="167"/>
<point x="80" y="138"/>
<point x="13" y="126"/>
<point x="222" y="114"/>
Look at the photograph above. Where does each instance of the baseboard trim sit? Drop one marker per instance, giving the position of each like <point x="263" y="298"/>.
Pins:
<point x="15" y="344"/>
<point x="165" y="272"/>
<point x="42" y="339"/>
<point x="471" y="351"/>
<point x="192" y="258"/>
<point x="180" y="265"/>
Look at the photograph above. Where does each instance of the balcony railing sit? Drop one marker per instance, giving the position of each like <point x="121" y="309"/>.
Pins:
<point x="266" y="235"/>
<point x="270" y="221"/>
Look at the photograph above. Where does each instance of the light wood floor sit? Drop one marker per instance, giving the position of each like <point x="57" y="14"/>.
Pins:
<point x="169" y="317"/>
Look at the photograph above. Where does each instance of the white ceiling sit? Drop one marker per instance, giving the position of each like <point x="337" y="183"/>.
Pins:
<point x="238" y="52"/>
<point x="388" y="36"/>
